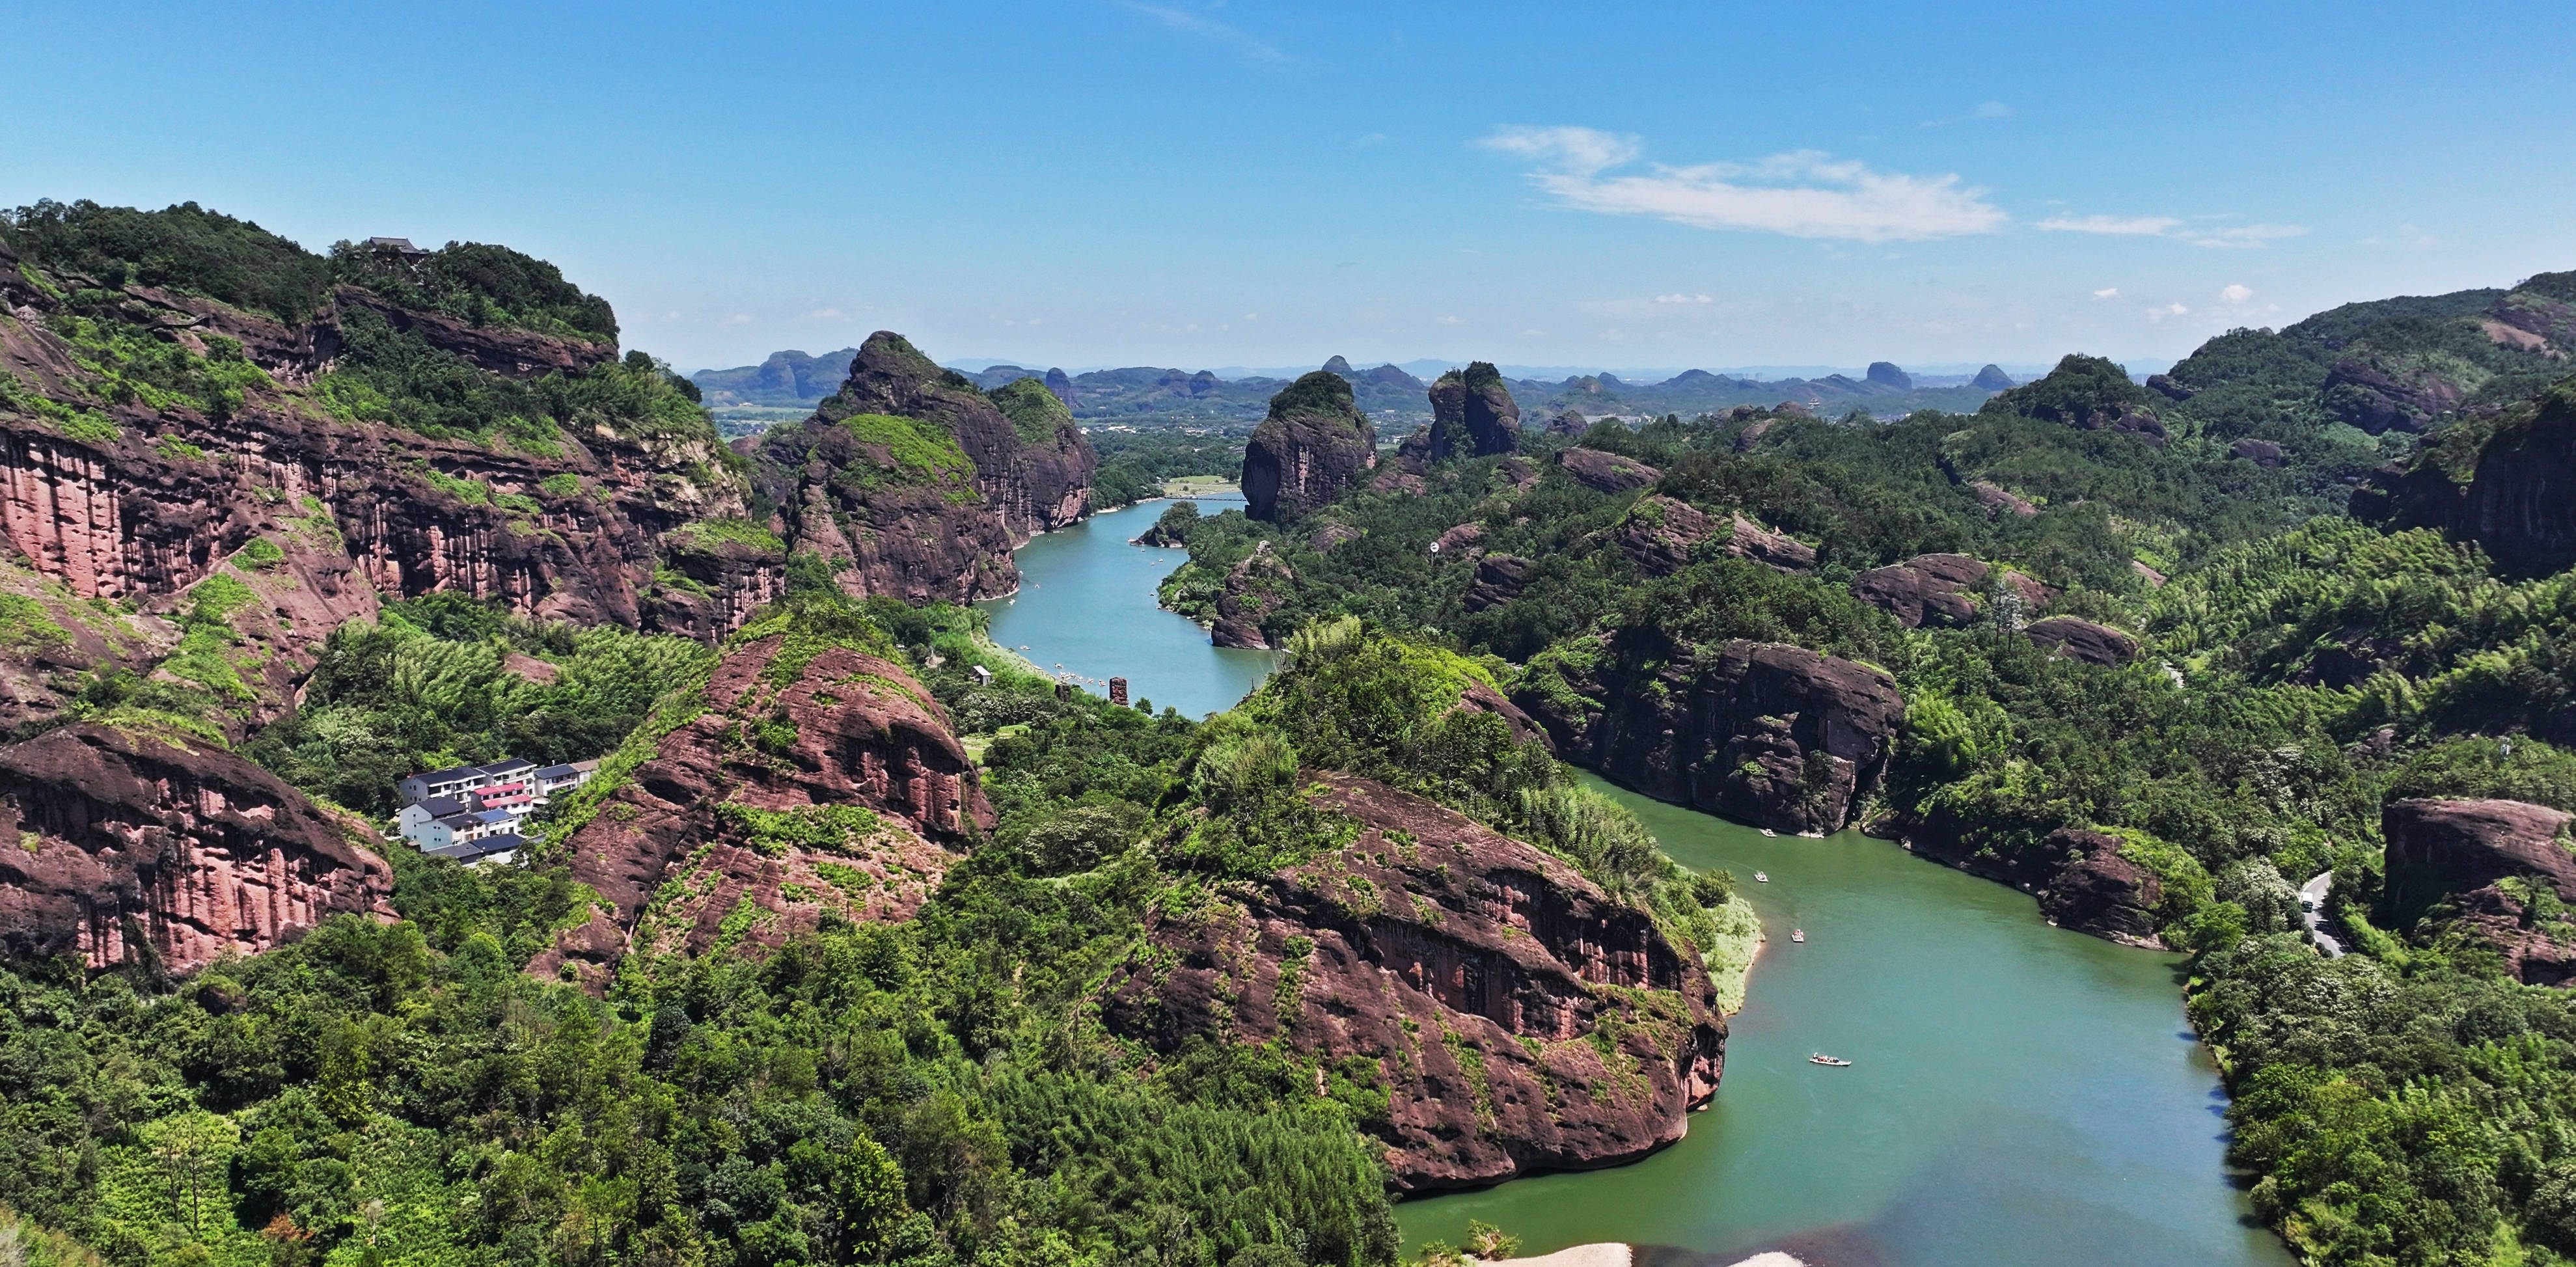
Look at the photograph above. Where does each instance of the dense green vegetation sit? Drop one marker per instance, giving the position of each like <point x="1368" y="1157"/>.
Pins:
<point x="1134" y="464"/>
<point x="428" y="686"/>
<point x="183" y="248"/>
<point x="939" y="1092"/>
<point x="2404" y="1105"/>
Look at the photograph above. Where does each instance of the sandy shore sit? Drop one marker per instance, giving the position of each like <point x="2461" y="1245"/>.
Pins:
<point x="1620" y="1256"/>
<point x="1579" y="1256"/>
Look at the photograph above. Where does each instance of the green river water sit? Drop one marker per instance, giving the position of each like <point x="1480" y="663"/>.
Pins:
<point x="2019" y="1094"/>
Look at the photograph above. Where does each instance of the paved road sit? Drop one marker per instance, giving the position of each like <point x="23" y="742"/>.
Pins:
<point x="2312" y="907"/>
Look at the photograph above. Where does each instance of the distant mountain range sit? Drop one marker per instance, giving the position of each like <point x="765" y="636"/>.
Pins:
<point x="1392" y="394"/>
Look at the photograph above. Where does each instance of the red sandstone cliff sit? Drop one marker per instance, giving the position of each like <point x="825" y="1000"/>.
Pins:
<point x="131" y="846"/>
<point x="833" y="785"/>
<point x="1493" y="990"/>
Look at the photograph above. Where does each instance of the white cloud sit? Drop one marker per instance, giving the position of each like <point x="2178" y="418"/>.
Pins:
<point x="2139" y="226"/>
<point x="1683" y="299"/>
<point x="1991" y="110"/>
<point x="2243" y="237"/>
<point x="1806" y="194"/>
<point x="738" y="319"/>
<point x="2236" y="294"/>
<point x="2169" y="310"/>
<point x="1451" y="321"/>
<point x="2239" y="236"/>
<point x="2107" y="292"/>
<point x="827" y="314"/>
<point x="1370" y="141"/>
<point x="1208" y="28"/>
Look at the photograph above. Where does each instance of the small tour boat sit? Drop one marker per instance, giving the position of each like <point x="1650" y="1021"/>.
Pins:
<point x="1761" y="877"/>
<point x="1822" y="1059"/>
<point x="1797" y="934"/>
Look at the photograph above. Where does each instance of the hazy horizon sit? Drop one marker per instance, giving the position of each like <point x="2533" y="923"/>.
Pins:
<point x="1173" y="182"/>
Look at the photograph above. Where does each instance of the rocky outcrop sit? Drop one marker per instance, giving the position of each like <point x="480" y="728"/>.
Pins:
<point x="1517" y="1019"/>
<point x="2096" y="890"/>
<point x="2082" y="878"/>
<point x="1314" y="446"/>
<point x="1991" y="379"/>
<point x="1254" y="589"/>
<point x="2379" y="398"/>
<point x="136" y="847"/>
<point x="2438" y="848"/>
<point x="1773" y="735"/>
<point x="1940" y="590"/>
<point x="1465" y="541"/>
<point x="835" y="784"/>
<point x="1330" y="535"/>
<point x="2262" y="453"/>
<point x="2518" y="499"/>
<point x="1659" y="534"/>
<point x="1569" y="423"/>
<point x="2087" y="393"/>
<point x="1999" y="500"/>
<point x="918" y="486"/>
<point x="314" y="497"/>
<point x="1886" y="374"/>
<point x="2486" y="865"/>
<point x="1606" y="472"/>
<point x="1473" y="414"/>
<point x="2083" y="640"/>
<point x="1500" y="578"/>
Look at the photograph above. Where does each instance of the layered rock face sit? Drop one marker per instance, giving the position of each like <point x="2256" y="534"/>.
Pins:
<point x="2080" y="877"/>
<point x="1773" y="735"/>
<point x="1477" y="407"/>
<point x="1253" y="590"/>
<point x="1314" y="446"/>
<point x="918" y="486"/>
<point x="1940" y="590"/>
<point x="2489" y="865"/>
<point x="1483" y="978"/>
<point x="1500" y="578"/>
<point x="835" y="784"/>
<point x="2438" y="848"/>
<point x="2519" y="501"/>
<point x="142" y="501"/>
<point x="1659" y="534"/>
<point x="133" y="848"/>
<point x="2379" y="398"/>
<point x="2083" y="640"/>
<point x="1606" y="472"/>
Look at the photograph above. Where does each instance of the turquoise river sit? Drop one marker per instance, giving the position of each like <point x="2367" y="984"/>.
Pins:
<point x="2018" y="1094"/>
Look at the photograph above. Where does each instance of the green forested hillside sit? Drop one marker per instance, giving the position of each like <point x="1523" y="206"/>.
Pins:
<point x="2295" y="670"/>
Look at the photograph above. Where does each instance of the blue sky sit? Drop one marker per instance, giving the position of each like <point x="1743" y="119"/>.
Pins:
<point x="1096" y="182"/>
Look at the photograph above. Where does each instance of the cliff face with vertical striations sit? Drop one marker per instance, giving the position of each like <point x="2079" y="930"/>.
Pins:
<point x="148" y="439"/>
<point x="1473" y="414"/>
<point x="1773" y="735"/>
<point x="919" y="486"/>
<point x="1496" y="994"/>
<point x="132" y="847"/>
<point x="2507" y="483"/>
<point x="1314" y="446"/>
<point x="808" y="775"/>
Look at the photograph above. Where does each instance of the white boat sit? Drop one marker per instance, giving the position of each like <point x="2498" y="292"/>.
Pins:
<point x="1822" y="1059"/>
<point x="1762" y="877"/>
<point x="1768" y="832"/>
<point x="1798" y="934"/>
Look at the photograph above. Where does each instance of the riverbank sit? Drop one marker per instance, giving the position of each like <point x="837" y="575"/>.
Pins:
<point x="1730" y="960"/>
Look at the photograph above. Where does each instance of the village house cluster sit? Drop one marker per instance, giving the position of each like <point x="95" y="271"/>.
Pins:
<point x="473" y="813"/>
